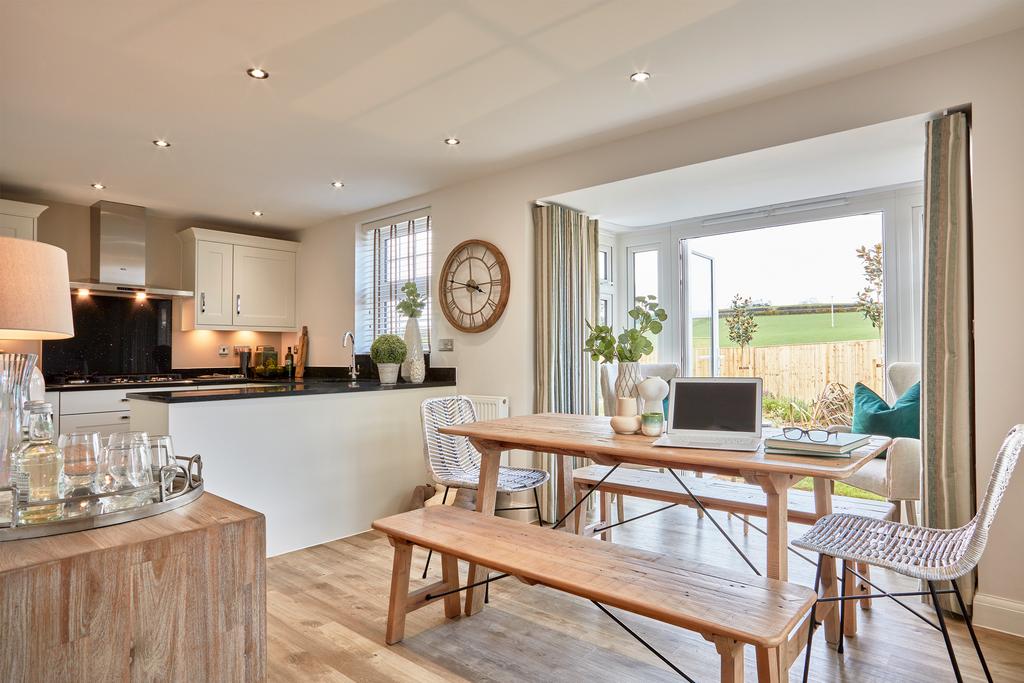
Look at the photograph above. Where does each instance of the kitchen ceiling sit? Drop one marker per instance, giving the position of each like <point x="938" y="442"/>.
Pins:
<point x="365" y="92"/>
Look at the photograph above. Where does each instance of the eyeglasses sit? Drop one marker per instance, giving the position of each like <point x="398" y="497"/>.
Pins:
<point x="815" y="435"/>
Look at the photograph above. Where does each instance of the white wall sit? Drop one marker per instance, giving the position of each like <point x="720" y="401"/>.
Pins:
<point x="500" y="361"/>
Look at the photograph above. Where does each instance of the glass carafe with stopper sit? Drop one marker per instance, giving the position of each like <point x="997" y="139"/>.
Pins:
<point x="38" y="466"/>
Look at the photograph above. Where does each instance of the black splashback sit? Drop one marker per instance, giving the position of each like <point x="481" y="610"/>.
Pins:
<point x="113" y="336"/>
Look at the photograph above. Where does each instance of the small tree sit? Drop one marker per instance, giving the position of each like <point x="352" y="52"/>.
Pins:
<point x="869" y="299"/>
<point x="741" y="323"/>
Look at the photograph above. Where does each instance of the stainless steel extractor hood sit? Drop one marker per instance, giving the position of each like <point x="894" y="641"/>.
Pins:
<point x="118" y="262"/>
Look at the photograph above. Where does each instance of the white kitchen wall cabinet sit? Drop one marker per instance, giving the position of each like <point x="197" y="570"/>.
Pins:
<point x="241" y="282"/>
<point x="18" y="219"/>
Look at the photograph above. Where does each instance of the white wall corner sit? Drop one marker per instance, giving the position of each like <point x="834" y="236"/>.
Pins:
<point x="999" y="614"/>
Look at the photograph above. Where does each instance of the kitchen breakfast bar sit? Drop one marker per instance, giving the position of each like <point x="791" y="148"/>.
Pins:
<point x="320" y="459"/>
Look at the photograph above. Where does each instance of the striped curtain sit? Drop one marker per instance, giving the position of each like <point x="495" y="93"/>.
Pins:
<point x="947" y="382"/>
<point x="565" y="272"/>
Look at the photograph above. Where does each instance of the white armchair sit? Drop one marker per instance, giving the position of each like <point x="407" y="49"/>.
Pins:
<point x="896" y="477"/>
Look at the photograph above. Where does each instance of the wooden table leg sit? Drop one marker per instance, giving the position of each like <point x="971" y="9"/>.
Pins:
<point x="731" y="653"/>
<point x="829" y="580"/>
<point x="399" y="597"/>
<point x="850" y="620"/>
<point x="776" y="488"/>
<point x="450" y="576"/>
<point x="771" y="666"/>
<point x="486" y="494"/>
<point x="565" y="495"/>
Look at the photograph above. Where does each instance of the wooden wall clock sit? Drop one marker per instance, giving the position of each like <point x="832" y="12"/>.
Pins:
<point x="474" y="286"/>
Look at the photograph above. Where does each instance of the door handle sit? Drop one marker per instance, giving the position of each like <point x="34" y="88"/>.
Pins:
<point x="202" y="302"/>
<point x="126" y="417"/>
<point x="238" y="304"/>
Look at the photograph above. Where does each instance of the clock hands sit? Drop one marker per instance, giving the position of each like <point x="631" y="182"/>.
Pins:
<point x="467" y="285"/>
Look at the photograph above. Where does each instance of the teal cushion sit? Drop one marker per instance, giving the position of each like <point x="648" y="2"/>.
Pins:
<point x="872" y="415"/>
<point x="665" y="404"/>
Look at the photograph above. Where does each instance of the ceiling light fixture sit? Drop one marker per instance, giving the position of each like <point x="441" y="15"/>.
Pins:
<point x="257" y="213"/>
<point x="160" y="142"/>
<point x="451" y="142"/>
<point x="337" y="184"/>
<point x="98" y="186"/>
<point x="640" y="76"/>
<point x="258" y="73"/>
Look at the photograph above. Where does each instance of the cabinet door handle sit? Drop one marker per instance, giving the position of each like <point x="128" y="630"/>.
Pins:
<point x="124" y="400"/>
<point x="126" y="417"/>
<point x="238" y="304"/>
<point x="202" y="302"/>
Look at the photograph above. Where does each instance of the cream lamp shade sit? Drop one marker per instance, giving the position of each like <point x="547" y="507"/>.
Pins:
<point x="35" y="295"/>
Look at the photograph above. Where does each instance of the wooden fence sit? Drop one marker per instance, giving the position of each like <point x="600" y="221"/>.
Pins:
<point x="802" y="370"/>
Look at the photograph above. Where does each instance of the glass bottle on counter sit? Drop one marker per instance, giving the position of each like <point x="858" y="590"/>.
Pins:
<point x="39" y="465"/>
<point x="289" y="363"/>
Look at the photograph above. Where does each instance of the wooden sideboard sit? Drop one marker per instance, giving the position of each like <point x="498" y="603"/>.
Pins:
<point x="179" y="597"/>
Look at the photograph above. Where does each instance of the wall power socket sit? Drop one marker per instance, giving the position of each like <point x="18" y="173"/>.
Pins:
<point x="222" y="351"/>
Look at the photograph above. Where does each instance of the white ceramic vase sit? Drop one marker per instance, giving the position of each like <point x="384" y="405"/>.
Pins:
<point x="653" y="391"/>
<point x="414" y="352"/>
<point x="625" y="421"/>
<point x="626" y="381"/>
<point x="388" y="372"/>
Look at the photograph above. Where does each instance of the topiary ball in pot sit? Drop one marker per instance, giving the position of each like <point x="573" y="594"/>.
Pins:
<point x="388" y="351"/>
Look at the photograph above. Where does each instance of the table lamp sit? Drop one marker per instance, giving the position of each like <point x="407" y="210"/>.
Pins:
<point x="35" y="304"/>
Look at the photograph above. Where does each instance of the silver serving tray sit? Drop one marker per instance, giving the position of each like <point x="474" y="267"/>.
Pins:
<point x="186" y="487"/>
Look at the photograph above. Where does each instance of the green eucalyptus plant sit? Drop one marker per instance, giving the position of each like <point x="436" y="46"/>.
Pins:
<point x="388" y="348"/>
<point x="633" y="343"/>
<point x="412" y="305"/>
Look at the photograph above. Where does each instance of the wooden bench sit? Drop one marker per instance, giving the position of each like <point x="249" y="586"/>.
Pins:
<point x="714" y="494"/>
<point x="726" y="608"/>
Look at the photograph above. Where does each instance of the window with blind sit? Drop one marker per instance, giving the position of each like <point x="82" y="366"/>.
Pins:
<point x="390" y="253"/>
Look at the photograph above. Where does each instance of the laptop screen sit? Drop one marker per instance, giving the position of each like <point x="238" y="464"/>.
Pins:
<point x="715" y="406"/>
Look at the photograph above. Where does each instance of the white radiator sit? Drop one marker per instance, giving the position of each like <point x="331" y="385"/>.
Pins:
<point x="490" y="407"/>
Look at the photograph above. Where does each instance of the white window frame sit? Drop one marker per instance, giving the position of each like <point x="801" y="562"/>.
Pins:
<point x="368" y="296"/>
<point x="900" y="206"/>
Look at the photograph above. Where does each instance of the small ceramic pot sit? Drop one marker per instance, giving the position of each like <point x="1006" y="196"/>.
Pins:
<point x="626" y="424"/>
<point x="652" y="423"/>
<point x="652" y="392"/>
<point x="388" y="372"/>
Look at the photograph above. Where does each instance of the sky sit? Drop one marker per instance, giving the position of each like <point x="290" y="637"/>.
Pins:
<point x="803" y="263"/>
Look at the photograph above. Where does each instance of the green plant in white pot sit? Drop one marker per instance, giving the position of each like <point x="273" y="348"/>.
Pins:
<point x="413" y="367"/>
<point x="632" y="344"/>
<point x="388" y="351"/>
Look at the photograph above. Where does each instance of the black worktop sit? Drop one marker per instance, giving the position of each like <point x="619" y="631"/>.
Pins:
<point x="311" y="387"/>
<point x="136" y="386"/>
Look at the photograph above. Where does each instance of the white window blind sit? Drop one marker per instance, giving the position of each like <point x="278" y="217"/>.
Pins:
<point x="390" y="253"/>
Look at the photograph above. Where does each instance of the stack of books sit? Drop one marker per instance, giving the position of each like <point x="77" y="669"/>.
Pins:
<point x="837" y="446"/>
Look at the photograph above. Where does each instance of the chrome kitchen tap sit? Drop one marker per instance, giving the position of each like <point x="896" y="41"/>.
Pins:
<point x="352" y="369"/>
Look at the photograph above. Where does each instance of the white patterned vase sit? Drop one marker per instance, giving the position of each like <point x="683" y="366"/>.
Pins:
<point x="413" y="366"/>
<point x="627" y="379"/>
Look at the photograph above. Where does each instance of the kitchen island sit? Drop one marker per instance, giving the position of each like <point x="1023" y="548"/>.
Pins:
<point x="320" y="459"/>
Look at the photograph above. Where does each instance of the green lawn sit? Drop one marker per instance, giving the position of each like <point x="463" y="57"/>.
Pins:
<point x="804" y="328"/>
<point x="841" y="489"/>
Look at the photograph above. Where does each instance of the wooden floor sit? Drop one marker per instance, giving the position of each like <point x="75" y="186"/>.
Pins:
<point x="327" y="607"/>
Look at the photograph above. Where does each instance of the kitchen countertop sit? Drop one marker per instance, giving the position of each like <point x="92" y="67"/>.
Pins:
<point x="306" y="388"/>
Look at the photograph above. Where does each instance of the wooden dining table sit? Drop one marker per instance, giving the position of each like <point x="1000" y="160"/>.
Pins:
<point x="567" y="436"/>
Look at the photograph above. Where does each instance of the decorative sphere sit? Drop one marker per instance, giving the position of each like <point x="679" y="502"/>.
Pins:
<point x="653" y="389"/>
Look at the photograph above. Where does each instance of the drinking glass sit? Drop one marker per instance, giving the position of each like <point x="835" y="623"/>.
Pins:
<point x="161" y="450"/>
<point x="82" y="466"/>
<point x="128" y="465"/>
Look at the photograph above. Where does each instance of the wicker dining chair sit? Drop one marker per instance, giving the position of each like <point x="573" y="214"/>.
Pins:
<point x="455" y="464"/>
<point x="931" y="555"/>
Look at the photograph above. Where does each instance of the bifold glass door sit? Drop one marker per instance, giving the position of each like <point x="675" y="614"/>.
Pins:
<point x="700" y="352"/>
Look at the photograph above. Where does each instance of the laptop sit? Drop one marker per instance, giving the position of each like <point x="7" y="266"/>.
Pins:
<point x="721" y="413"/>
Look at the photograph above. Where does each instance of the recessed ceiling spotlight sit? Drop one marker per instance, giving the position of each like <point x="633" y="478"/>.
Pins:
<point x="258" y="73"/>
<point x="337" y="184"/>
<point x="640" y="76"/>
<point x="160" y="142"/>
<point x="451" y="142"/>
<point x="98" y="186"/>
<point x="257" y="213"/>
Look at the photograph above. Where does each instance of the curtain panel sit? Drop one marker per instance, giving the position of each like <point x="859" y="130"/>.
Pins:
<point x="566" y="291"/>
<point x="947" y="381"/>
